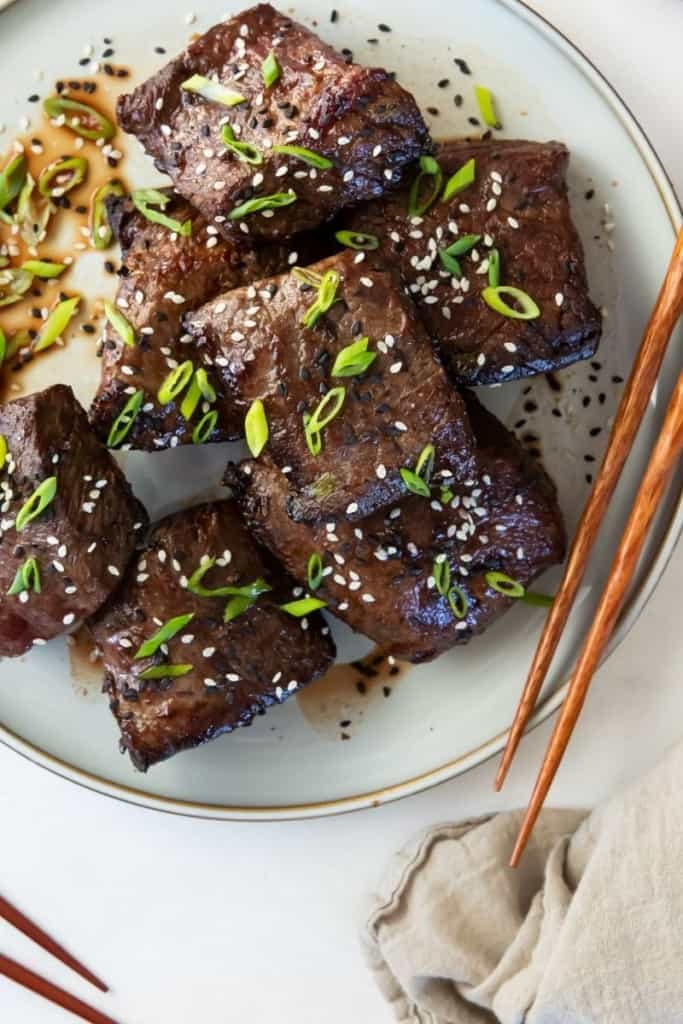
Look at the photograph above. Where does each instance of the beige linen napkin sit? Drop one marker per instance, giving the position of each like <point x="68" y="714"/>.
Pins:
<point x="589" y="929"/>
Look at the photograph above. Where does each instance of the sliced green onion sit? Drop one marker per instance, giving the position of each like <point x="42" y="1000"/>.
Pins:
<point x="205" y="386"/>
<point x="457" y="599"/>
<point x="101" y="234"/>
<point x="213" y="91"/>
<point x="273" y="202"/>
<point x="353" y="360"/>
<point x="12" y="179"/>
<point x="56" y="323"/>
<point x="314" y="571"/>
<point x="61" y="176"/>
<point x="121" y="325"/>
<point x="492" y="298"/>
<point x="176" y="382"/>
<point x="244" y="151"/>
<point x="486" y="106"/>
<point x="14" y="283"/>
<point x="327" y="296"/>
<point x="417" y="480"/>
<point x="40" y="499"/>
<point x="425" y="462"/>
<point x="462" y="179"/>
<point x="326" y="410"/>
<point x="414" y="482"/>
<point x="446" y="495"/>
<point x="165" y="671"/>
<point x="205" y="428"/>
<point x="144" y="201"/>
<point x="199" y="388"/>
<point x="461" y="246"/>
<point x="494" y="268"/>
<point x="304" y="606"/>
<point x="244" y="598"/>
<point x="307" y="156"/>
<point x="3" y="451"/>
<point x="33" y="213"/>
<point x="429" y="168"/>
<point x="194" y="584"/>
<point x="270" y="69"/>
<point x="27" y="578"/>
<point x="167" y="632"/>
<point x="81" y="118"/>
<point x="256" y="428"/>
<point x="357" y="240"/>
<point x="43" y="268"/>
<point x="503" y="584"/>
<point x="540" y="600"/>
<point x="442" y="576"/>
<point x="307" y="276"/>
<point x="450" y="264"/>
<point x="123" y="423"/>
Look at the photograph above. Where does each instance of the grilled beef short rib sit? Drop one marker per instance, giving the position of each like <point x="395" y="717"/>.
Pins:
<point x="163" y="275"/>
<point x="255" y="345"/>
<point x="380" y="572"/>
<point x="518" y="205"/>
<point x="357" y="118"/>
<point x="235" y="670"/>
<point x="81" y="541"/>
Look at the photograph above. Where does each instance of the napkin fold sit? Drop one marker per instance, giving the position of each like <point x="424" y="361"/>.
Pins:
<point x="588" y="930"/>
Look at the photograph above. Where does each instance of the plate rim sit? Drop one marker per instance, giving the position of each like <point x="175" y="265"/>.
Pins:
<point x="485" y="751"/>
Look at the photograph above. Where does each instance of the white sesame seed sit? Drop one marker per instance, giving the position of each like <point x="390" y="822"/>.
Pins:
<point x="396" y="367"/>
<point x="113" y="570"/>
<point x="351" y="508"/>
<point x="510" y="346"/>
<point x="491" y="205"/>
<point x="513" y="222"/>
<point x="559" y="298"/>
<point x="208" y="652"/>
<point x="381" y="471"/>
<point x="368" y="598"/>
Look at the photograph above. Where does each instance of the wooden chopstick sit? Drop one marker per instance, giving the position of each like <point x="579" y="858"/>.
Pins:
<point x="665" y="456"/>
<point x="666" y="312"/>
<point x="22" y="976"/>
<point x="37" y="935"/>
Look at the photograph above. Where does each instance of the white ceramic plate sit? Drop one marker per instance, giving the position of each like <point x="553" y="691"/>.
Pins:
<point x="444" y="717"/>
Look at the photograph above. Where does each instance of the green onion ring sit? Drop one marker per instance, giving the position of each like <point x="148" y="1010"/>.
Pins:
<point x="43" y="496"/>
<point x="307" y="156"/>
<point x="492" y="298"/>
<point x="457" y="599"/>
<point x="357" y="240"/>
<point x="75" y="168"/>
<point x="314" y="571"/>
<point x="441" y="572"/>
<point x="494" y="268"/>
<point x="462" y="179"/>
<point x="245" y="152"/>
<point x="101" y="234"/>
<point x="27" y="578"/>
<point x="123" y="423"/>
<point x="175" y="383"/>
<point x="81" y="118"/>
<point x="213" y="91"/>
<point x="205" y="428"/>
<point x="56" y="323"/>
<point x="504" y="584"/>
<point x="429" y="168"/>
<point x="353" y="360"/>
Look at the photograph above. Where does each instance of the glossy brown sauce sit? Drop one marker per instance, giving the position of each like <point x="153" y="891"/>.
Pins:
<point x="86" y="668"/>
<point x="336" y="704"/>
<point x="43" y="144"/>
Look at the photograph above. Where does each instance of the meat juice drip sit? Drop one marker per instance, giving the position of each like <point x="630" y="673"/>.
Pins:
<point x="85" y="667"/>
<point x="66" y="230"/>
<point x="336" y="704"/>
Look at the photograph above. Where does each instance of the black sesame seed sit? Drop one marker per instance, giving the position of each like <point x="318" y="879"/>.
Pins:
<point x="89" y="87"/>
<point x="107" y="53"/>
<point x="602" y="397"/>
<point x="334" y="15"/>
<point x="81" y="209"/>
<point x="88" y="328"/>
<point x="462" y="65"/>
<point x="345" y="723"/>
<point x="594" y="431"/>
<point x="443" y="83"/>
<point x="586" y="401"/>
<point x="59" y="86"/>
<point x="372" y="41"/>
<point x="122" y="72"/>
<point x="34" y="97"/>
<point x="589" y="194"/>
<point x="107" y="41"/>
<point x="589" y="478"/>
<point x="617" y="380"/>
<point x="589" y="458"/>
<point x="556" y="412"/>
<point x="384" y="28"/>
<point x="458" y="100"/>
<point x="109" y="267"/>
<point x="474" y="121"/>
<point x="386" y="690"/>
<point x="434" y="111"/>
<point x="159" y="49"/>
<point x="84" y="61"/>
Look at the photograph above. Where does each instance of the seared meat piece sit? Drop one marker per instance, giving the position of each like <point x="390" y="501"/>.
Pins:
<point x="165" y="274"/>
<point x="257" y="349"/>
<point x="379" y="574"/>
<point x="62" y="562"/>
<point x="234" y="670"/>
<point x="360" y="125"/>
<point x="518" y="204"/>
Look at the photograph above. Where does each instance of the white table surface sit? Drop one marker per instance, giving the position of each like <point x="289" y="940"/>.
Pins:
<point x="205" y="921"/>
